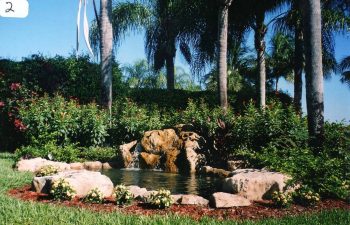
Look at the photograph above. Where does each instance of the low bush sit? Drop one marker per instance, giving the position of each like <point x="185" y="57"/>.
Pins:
<point x="94" y="196"/>
<point x="281" y="199"/>
<point x="102" y="154"/>
<point x="161" y="199"/>
<point x="47" y="170"/>
<point x="122" y="194"/>
<point x="61" y="190"/>
<point x="306" y="196"/>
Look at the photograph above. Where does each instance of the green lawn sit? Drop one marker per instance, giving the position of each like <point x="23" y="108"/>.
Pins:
<point x="13" y="211"/>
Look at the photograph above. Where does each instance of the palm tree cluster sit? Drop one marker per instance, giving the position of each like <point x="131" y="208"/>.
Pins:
<point x="213" y="34"/>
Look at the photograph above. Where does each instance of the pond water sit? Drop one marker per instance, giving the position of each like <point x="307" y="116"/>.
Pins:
<point x="178" y="184"/>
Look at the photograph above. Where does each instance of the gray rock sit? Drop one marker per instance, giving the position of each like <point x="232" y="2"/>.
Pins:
<point x="193" y="200"/>
<point x="226" y="200"/>
<point x="255" y="184"/>
<point x="82" y="182"/>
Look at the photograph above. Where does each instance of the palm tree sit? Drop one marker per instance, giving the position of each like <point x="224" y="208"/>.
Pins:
<point x="345" y="70"/>
<point x="312" y="28"/>
<point x="222" y="51"/>
<point x="106" y="51"/>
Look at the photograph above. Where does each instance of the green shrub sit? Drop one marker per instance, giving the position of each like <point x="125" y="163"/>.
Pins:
<point x="61" y="121"/>
<point x="122" y="194"/>
<point x="161" y="199"/>
<point x="281" y="200"/>
<point x="61" y="190"/>
<point x="94" y="196"/>
<point x="47" y="170"/>
<point x="99" y="154"/>
<point x="306" y="196"/>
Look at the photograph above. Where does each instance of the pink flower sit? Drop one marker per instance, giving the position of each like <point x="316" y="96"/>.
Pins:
<point x="19" y="125"/>
<point x="15" y="86"/>
<point x="2" y="104"/>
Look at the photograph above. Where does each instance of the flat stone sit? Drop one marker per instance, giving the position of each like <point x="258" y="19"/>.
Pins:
<point x="93" y="166"/>
<point x="193" y="200"/>
<point x="255" y="184"/>
<point x="76" y="166"/>
<point x="226" y="200"/>
<point x="34" y="165"/>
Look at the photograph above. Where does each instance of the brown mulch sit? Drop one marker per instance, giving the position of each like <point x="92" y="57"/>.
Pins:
<point x="258" y="210"/>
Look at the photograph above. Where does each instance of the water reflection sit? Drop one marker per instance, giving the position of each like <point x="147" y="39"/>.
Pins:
<point x="176" y="183"/>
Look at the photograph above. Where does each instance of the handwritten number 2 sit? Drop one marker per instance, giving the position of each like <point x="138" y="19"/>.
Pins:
<point x="10" y="9"/>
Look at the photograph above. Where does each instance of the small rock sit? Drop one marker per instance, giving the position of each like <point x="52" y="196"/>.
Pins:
<point x="176" y="198"/>
<point x="137" y="192"/>
<point x="76" y="166"/>
<point x="93" y="166"/>
<point x="110" y="165"/>
<point x="193" y="200"/>
<point x="225" y="200"/>
<point x="34" y="165"/>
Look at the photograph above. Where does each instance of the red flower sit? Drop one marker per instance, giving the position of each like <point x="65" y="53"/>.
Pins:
<point x="19" y="125"/>
<point x="2" y="104"/>
<point x="15" y="86"/>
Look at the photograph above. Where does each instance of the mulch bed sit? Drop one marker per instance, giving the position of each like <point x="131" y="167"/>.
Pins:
<point x="258" y="210"/>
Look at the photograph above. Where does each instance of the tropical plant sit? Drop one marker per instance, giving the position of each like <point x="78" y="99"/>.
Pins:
<point x="344" y="67"/>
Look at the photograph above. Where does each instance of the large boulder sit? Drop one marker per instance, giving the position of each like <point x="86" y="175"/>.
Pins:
<point x="149" y="161"/>
<point x="34" y="165"/>
<point x="82" y="182"/>
<point x="255" y="184"/>
<point x="226" y="200"/>
<point x="94" y="166"/>
<point x="159" y="141"/>
<point x="190" y="159"/>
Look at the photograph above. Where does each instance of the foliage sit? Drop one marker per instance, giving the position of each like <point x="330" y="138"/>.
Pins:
<point x="281" y="200"/>
<point x="306" y="196"/>
<point x="102" y="154"/>
<point x="63" y="121"/>
<point x="122" y="194"/>
<point x="94" y="196"/>
<point x="68" y="153"/>
<point x="61" y="190"/>
<point x="161" y="199"/>
<point x="47" y="170"/>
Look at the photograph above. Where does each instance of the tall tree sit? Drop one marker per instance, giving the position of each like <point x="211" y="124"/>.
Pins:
<point x="222" y="51"/>
<point x="313" y="70"/>
<point x="106" y="51"/>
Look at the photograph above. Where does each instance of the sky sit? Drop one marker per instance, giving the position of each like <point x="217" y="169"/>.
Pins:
<point x="50" y="29"/>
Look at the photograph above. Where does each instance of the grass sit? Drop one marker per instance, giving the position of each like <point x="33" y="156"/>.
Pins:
<point x="13" y="211"/>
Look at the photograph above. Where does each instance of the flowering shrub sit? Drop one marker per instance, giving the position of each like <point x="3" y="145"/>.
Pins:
<point x="61" y="190"/>
<point x="94" y="196"/>
<point x="122" y="195"/>
<point x="281" y="200"/>
<point x="306" y="197"/>
<point x="161" y="199"/>
<point x="47" y="170"/>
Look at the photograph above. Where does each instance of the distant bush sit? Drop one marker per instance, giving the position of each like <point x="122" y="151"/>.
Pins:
<point x="102" y="154"/>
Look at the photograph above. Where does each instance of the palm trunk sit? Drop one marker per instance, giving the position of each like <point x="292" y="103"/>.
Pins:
<point x="260" y="32"/>
<point x="298" y="69"/>
<point x="313" y="71"/>
<point x="106" y="48"/>
<point x="170" y="72"/>
<point x="222" y="49"/>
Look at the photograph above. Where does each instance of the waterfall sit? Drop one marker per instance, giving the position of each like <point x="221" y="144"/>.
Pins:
<point x="135" y="157"/>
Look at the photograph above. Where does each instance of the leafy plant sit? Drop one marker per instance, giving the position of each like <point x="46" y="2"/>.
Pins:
<point x="161" y="199"/>
<point x="102" y="154"/>
<point x="94" y="196"/>
<point x="47" y="170"/>
<point x="61" y="190"/>
<point x="281" y="200"/>
<point x="122" y="194"/>
<point x="306" y="196"/>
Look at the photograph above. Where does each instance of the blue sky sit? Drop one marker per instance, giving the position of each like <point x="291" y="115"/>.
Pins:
<point x="50" y="29"/>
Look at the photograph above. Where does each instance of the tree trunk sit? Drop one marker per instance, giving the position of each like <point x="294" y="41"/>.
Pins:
<point x="106" y="48"/>
<point x="298" y="60"/>
<point x="260" y="32"/>
<point x="298" y="69"/>
<point x="222" y="51"/>
<point x="170" y="72"/>
<point x="313" y="71"/>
